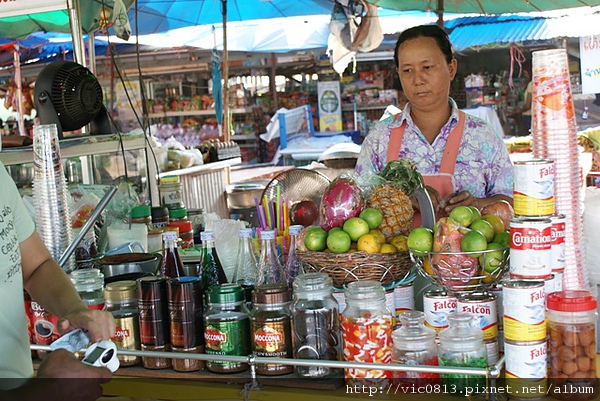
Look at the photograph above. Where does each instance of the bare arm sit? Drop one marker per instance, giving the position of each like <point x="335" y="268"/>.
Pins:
<point x="48" y="284"/>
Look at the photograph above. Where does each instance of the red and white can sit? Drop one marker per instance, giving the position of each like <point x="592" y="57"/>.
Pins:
<point x="482" y="306"/>
<point x="534" y="187"/>
<point x="496" y="289"/>
<point x="559" y="223"/>
<point x="437" y="305"/>
<point x="45" y="324"/>
<point x="530" y="248"/>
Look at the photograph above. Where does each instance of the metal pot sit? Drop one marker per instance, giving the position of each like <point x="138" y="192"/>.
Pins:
<point x="241" y="195"/>
<point x="127" y="263"/>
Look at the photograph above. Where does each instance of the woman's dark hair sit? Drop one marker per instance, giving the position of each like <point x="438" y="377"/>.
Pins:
<point x="429" y="31"/>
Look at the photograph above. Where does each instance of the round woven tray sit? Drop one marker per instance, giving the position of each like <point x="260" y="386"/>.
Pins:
<point x="344" y="268"/>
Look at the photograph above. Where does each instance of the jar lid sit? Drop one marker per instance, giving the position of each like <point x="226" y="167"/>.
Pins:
<point x="140" y="211"/>
<point x="86" y="280"/>
<point x="413" y="334"/>
<point x="159" y="212"/>
<point x="190" y="255"/>
<point x="169" y="179"/>
<point x="120" y="290"/>
<point x="267" y="234"/>
<point x="194" y="212"/>
<point x="225" y="293"/>
<point x="312" y="282"/>
<point x="207" y="236"/>
<point x="271" y="294"/>
<point x="245" y="233"/>
<point x="295" y="229"/>
<point x="571" y="301"/>
<point x="367" y="290"/>
<point x="182" y="225"/>
<point x="178" y="213"/>
<point x="461" y="335"/>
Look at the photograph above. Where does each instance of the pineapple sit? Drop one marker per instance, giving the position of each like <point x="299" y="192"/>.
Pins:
<point x="391" y="198"/>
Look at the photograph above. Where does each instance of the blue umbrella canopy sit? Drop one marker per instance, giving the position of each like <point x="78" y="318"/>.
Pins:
<point x="217" y="86"/>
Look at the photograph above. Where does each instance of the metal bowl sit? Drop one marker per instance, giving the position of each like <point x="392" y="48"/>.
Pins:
<point x="241" y="195"/>
<point x="127" y="263"/>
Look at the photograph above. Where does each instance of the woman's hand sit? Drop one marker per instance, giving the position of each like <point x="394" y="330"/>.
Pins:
<point x="99" y="324"/>
<point x="463" y="198"/>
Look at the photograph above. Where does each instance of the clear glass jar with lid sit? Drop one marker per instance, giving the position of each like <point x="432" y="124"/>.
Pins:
<point x="315" y="323"/>
<point x="170" y="192"/>
<point x="89" y="283"/>
<point x="414" y="344"/>
<point x="572" y="345"/>
<point x="461" y="344"/>
<point x="121" y="302"/>
<point x="367" y="325"/>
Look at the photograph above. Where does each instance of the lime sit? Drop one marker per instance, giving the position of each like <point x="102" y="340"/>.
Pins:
<point x="372" y="216"/>
<point x="502" y="238"/>
<point x="334" y="229"/>
<point x="315" y="239"/>
<point x="420" y="241"/>
<point x="338" y="241"/>
<point x="493" y="259"/>
<point x="476" y="212"/>
<point x="473" y="241"/>
<point x="495" y="221"/>
<point x="356" y="228"/>
<point x="484" y="227"/>
<point x="463" y="215"/>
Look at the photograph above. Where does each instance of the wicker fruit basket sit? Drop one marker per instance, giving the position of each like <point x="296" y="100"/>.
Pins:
<point x="344" y="268"/>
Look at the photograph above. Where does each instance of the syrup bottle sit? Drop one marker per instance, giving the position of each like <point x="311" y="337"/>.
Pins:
<point x="172" y="266"/>
<point x="212" y="271"/>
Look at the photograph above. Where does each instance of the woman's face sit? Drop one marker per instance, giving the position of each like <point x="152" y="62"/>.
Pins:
<point x="424" y="73"/>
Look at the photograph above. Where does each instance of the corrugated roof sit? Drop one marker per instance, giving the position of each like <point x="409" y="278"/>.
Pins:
<point x="469" y="32"/>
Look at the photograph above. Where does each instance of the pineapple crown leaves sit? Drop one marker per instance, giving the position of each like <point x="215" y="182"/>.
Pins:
<point x="402" y="173"/>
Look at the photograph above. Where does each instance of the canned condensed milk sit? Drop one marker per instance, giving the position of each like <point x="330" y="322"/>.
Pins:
<point x="530" y="248"/>
<point x="559" y="223"/>
<point x="534" y="187"/>
<point x="524" y="310"/>
<point x="437" y="305"/>
<point x="482" y="306"/>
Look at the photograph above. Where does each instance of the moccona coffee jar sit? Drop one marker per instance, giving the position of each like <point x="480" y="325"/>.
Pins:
<point x="271" y="327"/>
<point x="226" y="327"/>
<point x="572" y="345"/>
<point x="121" y="302"/>
<point x="315" y="323"/>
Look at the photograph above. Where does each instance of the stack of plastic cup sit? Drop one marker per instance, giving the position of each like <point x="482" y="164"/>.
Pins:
<point x="554" y="136"/>
<point x="50" y="195"/>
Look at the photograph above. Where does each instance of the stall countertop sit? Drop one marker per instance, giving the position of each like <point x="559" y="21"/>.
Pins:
<point x="256" y="173"/>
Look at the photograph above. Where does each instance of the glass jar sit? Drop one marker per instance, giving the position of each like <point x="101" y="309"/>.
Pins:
<point x="572" y="346"/>
<point x="414" y="344"/>
<point x="89" y="283"/>
<point x="141" y="215"/>
<point x="121" y="302"/>
<point x="170" y="192"/>
<point x="271" y="327"/>
<point x="186" y="235"/>
<point x="367" y="325"/>
<point x="315" y="323"/>
<point x="461" y="344"/>
<point x="226" y="327"/>
<point x="160" y="216"/>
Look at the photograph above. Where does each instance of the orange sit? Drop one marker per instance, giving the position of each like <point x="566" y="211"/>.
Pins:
<point x="368" y="243"/>
<point x="387" y="248"/>
<point x="473" y="241"/>
<point x="427" y="266"/>
<point x="372" y="216"/>
<point x="484" y="227"/>
<point x="356" y="227"/>
<point x="495" y="221"/>
<point x="338" y="242"/>
<point x="377" y="233"/>
<point x="400" y="243"/>
<point x="420" y="240"/>
<point x="463" y="215"/>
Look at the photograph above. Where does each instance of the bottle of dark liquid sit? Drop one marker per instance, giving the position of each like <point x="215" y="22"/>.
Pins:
<point x="246" y="265"/>
<point x="172" y="266"/>
<point x="212" y="271"/>
<point x="293" y="267"/>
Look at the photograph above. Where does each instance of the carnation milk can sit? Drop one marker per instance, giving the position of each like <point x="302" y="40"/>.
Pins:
<point x="530" y="248"/>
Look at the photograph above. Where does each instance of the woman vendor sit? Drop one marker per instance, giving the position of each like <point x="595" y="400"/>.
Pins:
<point x="463" y="162"/>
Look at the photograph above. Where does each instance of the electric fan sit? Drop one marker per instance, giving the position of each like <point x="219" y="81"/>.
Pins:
<point x="69" y="95"/>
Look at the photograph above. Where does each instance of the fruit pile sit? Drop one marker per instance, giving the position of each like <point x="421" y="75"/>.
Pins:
<point x="466" y="244"/>
<point x="356" y="234"/>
